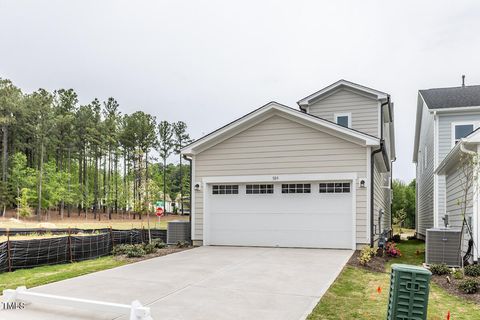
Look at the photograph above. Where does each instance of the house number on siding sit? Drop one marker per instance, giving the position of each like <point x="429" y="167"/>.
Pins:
<point x="275" y="178"/>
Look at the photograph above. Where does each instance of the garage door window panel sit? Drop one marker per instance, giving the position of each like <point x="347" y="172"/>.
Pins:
<point x="224" y="189"/>
<point x="259" y="189"/>
<point x="296" y="188"/>
<point x="334" y="187"/>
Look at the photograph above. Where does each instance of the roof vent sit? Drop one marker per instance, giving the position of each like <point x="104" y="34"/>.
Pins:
<point x="463" y="80"/>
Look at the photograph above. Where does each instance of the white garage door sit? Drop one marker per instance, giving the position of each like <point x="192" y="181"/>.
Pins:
<point x="303" y="214"/>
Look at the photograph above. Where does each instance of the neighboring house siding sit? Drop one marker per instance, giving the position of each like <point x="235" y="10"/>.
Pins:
<point x="282" y="146"/>
<point x="365" y="111"/>
<point x="454" y="201"/>
<point x="425" y="174"/>
<point x="444" y="146"/>
<point x="381" y="201"/>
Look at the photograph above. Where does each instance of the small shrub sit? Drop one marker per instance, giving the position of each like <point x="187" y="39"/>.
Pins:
<point x="469" y="286"/>
<point x="439" y="269"/>
<point x="392" y="250"/>
<point x="366" y="255"/>
<point x="120" y="249"/>
<point x="458" y="274"/>
<point x="183" y="244"/>
<point x="149" y="248"/>
<point x="158" y="243"/>
<point x="135" y="251"/>
<point x="396" y="238"/>
<point x="472" y="270"/>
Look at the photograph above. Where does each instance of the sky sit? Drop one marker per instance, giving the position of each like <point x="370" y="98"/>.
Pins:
<point x="209" y="62"/>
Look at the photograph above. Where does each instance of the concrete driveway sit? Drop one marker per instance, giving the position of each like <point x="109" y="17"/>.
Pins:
<point x="205" y="283"/>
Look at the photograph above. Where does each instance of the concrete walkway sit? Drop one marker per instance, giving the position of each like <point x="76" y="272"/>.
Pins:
<point x="206" y="283"/>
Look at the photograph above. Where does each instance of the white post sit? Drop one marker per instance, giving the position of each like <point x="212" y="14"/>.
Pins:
<point x="135" y="309"/>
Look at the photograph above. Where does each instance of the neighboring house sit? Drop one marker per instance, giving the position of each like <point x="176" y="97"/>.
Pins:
<point x="444" y="117"/>
<point x="316" y="177"/>
<point x="461" y="177"/>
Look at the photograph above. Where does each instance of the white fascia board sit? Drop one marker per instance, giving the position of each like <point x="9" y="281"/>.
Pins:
<point x="454" y="110"/>
<point x="418" y="126"/>
<point x="443" y="166"/>
<point x="367" y="139"/>
<point x="379" y="94"/>
<point x="282" y="178"/>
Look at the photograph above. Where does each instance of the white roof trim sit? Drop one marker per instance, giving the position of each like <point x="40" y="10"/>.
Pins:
<point x="307" y="100"/>
<point x="472" y="139"/>
<point x="456" y="109"/>
<point x="418" y="126"/>
<point x="195" y="147"/>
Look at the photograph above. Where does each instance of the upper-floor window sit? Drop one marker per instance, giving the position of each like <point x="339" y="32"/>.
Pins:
<point x="461" y="130"/>
<point x="344" y="119"/>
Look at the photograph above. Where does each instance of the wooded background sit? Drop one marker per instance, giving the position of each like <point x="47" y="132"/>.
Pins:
<point x="59" y="155"/>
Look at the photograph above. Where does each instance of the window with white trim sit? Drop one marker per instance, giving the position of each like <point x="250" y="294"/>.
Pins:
<point x="343" y="119"/>
<point x="334" y="187"/>
<point x="259" y="189"/>
<point x="461" y="130"/>
<point x="296" y="188"/>
<point x="225" y="189"/>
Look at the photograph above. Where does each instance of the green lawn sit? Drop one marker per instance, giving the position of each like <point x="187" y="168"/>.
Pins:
<point x="46" y="274"/>
<point x="354" y="295"/>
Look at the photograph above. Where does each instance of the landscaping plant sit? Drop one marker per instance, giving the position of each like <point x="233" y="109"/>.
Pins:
<point x="472" y="270"/>
<point x="469" y="286"/>
<point x="366" y="255"/>
<point x="158" y="243"/>
<point x="392" y="250"/>
<point x="439" y="269"/>
<point x="458" y="274"/>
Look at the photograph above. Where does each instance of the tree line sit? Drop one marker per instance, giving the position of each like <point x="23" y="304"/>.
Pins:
<point x="59" y="155"/>
<point x="403" y="204"/>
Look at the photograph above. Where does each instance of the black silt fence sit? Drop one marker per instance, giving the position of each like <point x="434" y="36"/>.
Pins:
<point x="3" y="256"/>
<point x="21" y="254"/>
<point x="31" y="253"/>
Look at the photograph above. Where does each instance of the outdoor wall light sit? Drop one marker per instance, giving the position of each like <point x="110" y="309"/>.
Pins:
<point x="362" y="183"/>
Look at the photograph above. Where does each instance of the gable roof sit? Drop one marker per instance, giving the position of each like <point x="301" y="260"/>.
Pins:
<point x="444" y="100"/>
<point x="455" y="97"/>
<point x="339" y="85"/>
<point x="267" y="111"/>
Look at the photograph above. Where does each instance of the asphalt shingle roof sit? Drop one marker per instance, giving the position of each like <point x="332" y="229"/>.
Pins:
<point x="455" y="97"/>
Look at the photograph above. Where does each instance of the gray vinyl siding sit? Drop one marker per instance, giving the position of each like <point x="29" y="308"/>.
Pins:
<point x="454" y="199"/>
<point x="282" y="146"/>
<point x="381" y="201"/>
<point x="445" y="145"/>
<point x="425" y="181"/>
<point x="365" y="111"/>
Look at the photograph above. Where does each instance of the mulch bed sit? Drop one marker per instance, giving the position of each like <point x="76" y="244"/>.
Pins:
<point x="452" y="287"/>
<point x="159" y="253"/>
<point x="377" y="264"/>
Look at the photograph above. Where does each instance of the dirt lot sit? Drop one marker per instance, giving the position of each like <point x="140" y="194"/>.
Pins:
<point x="118" y="221"/>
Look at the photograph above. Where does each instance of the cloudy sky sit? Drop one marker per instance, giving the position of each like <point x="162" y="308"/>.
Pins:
<point x="209" y="62"/>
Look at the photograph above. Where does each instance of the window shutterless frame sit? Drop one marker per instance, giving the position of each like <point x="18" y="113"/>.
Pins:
<point x="457" y="132"/>
<point x="343" y="119"/>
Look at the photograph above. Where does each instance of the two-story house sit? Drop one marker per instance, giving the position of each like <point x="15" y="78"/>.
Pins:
<point x="318" y="176"/>
<point x="445" y="121"/>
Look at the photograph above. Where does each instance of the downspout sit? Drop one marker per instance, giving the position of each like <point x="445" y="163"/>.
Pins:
<point x="190" y="196"/>
<point x="372" y="174"/>
<point x="372" y="191"/>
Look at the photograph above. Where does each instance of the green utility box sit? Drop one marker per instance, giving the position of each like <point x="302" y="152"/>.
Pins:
<point x="408" y="298"/>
